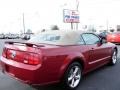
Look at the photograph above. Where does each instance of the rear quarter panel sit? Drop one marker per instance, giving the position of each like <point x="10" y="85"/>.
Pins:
<point x="57" y="59"/>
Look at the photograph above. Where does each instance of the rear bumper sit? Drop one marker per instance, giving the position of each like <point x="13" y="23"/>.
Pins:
<point x="26" y="73"/>
<point x="13" y="76"/>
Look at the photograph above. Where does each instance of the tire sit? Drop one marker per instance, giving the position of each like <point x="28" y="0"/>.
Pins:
<point x="114" y="58"/>
<point x="72" y="76"/>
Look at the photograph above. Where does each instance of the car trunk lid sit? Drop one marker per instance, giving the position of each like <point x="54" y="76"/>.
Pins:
<point x="27" y="53"/>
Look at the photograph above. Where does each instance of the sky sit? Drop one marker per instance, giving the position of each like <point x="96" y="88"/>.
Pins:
<point x="40" y="14"/>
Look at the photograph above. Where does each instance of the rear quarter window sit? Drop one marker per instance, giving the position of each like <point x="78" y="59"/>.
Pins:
<point x="45" y="38"/>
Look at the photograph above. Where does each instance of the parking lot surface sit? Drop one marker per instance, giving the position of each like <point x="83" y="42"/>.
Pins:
<point x="104" y="78"/>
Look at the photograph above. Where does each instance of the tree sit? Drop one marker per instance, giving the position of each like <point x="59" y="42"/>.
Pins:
<point x="54" y="27"/>
<point x="43" y="30"/>
<point x="111" y="30"/>
<point x="29" y="31"/>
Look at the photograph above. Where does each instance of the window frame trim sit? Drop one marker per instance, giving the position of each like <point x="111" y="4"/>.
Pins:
<point x="80" y="36"/>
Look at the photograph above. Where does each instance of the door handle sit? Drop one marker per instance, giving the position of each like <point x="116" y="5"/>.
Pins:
<point x="92" y="48"/>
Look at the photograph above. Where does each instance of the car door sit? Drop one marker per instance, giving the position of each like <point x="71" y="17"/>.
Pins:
<point x="98" y="53"/>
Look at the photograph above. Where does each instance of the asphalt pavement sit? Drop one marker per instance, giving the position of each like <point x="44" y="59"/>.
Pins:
<point x="104" y="78"/>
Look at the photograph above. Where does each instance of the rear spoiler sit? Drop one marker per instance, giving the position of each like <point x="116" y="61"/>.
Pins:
<point x="24" y="43"/>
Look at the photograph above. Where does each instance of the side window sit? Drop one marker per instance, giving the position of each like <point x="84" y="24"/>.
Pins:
<point x="81" y="41"/>
<point x="90" y="38"/>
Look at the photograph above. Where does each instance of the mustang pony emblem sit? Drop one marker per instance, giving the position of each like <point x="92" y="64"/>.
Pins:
<point x="13" y="54"/>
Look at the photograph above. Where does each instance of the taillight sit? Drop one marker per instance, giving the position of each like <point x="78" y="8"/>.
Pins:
<point x="23" y="57"/>
<point x="32" y="59"/>
<point x="4" y="53"/>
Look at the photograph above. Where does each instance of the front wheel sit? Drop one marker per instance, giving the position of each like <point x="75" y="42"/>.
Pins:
<point x="114" y="58"/>
<point x="72" y="76"/>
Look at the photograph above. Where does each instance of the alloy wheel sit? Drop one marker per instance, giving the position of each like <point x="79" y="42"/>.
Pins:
<point x="114" y="57"/>
<point x="74" y="76"/>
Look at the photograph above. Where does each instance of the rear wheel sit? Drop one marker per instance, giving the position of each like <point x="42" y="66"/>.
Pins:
<point x="114" y="58"/>
<point x="72" y="76"/>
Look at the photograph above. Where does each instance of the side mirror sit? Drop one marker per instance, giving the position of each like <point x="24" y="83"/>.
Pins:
<point x="103" y="41"/>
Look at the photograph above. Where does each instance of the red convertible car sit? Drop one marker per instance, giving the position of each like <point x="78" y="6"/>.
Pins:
<point x="113" y="37"/>
<point x="57" y="56"/>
